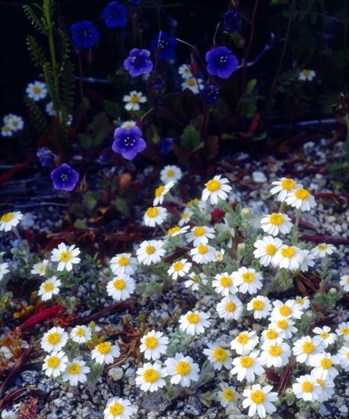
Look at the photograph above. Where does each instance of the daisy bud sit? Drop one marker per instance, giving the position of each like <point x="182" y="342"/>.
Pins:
<point x="290" y="397"/>
<point x="245" y="211"/>
<point x="308" y="316"/>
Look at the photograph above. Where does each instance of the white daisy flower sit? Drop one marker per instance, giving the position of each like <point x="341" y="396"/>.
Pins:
<point x="150" y="377"/>
<point x="261" y="307"/>
<point x="176" y="230"/>
<point x="248" y="280"/>
<point x="306" y="75"/>
<point x="266" y="248"/>
<point x="301" y="198"/>
<point x="49" y="288"/>
<point x="303" y="302"/>
<point x="179" y="268"/>
<point x="133" y="100"/>
<point x="224" y="284"/>
<point x="200" y="235"/>
<point x="275" y="354"/>
<point x="247" y="367"/>
<point x="81" y="334"/>
<point x="16" y="123"/>
<point x="216" y="188"/>
<point x="260" y="400"/>
<point x="289" y="309"/>
<point x="182" y="370"/>
<point x="203" y="254"/>
<point x="343" y="357"/>
<point x="219" y="255"/>
<point x="275" y="223"/>
<point x="282" y="187"/>
<point x="155" y="216"/>
<point x="284" y="325"/>
<point x="321" y="250"/>
<point x="40" y="268"/>
<point x="50" y="109"/>
<point x="245" y="342"/>
<point x="195" y="280"/>
<point x="128" y="124"/>
<point x="55" y="364"/>
<point x="54" y="340"/>
<point x="121" y="287"/>
<point x="194" y="322"/>
<point x="36" y="91"/>
<point x="327" y="337"/>
<point x="193" y="84"/>
<point x="76" y="372"/>
<point x="218" y="356"/>
<point x="230" y="308"/>
<point x="306" y="347"/>
<point x="105" y="353"/>
<point x="153" y="345"/>
<point x="326" y="385"/>
<point x="117" y="408"/>
<point x="170" y="173"/>
<point x="185" y="217"/>
<point x="228" y="396"/>
<point x="123" y="264"/>
<point x="308" y="260"/>
<point x="344" y="282"/>
<point x="7" y="118"/>
<point x="10" y="220"/>
<point x="307" y="388"/>
<point x="161" y="191"/>
<point x="66" y="256"/>
<point x="185" y="71"/>
<point x="6" y="131"/>
<point x="323" y="363"/>
<point x="289" y="257"/>
<point x="3" y="270"/>
<point x="150" y="252"/>
<point x="273" y="335"/>
<point x="343" y="331"/>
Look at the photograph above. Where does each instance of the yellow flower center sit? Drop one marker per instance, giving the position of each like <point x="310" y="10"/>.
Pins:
<point x="257" y="397"/>
<point x="14" y="122"/>
<point x="324" y="335"/>
<point x="74" y="369"/>
<point x="151" y="342"/>
<point x="288" y="252"/>
<point x="230" y="307"/>
<point x="191" y="82"/>
<point x="202" y="249"/>
<point x="276" y="219"/>
<point x="104" y="348"/>
<point x="183" y="368"/>
<point x="48" y="287"/>
<point x="119" y="284"/>
<point x="213" y="185"/>
<point x="271" y="334"/>
<point x="225" y="281"/>
<point x="199" y="231"/>
<point x="300" y="301"/>
<point x="322" y="247"/>
<point x="170" y="173"/>
<point x="53" y="338"/>
<point x="321" y="382"/>
<point x="243" y="338"/>
<point x="152" y="212"/>
<point x="116" y="409"/>
<point x="150" y="249"/>
<point x="308" y="347"/>
<point x="173" y="230"/>
<point x="80" y="332"/>
<point x="326" y="363"/>
<point x="275" y="350"/>
<point x="193" y="318"/>
<point x="229" y="395"/>
<point x="285" y="310"/>
<point x="65" y="256"/>
<point x="159" y="191"/>
<point x="246" y="362"/>
<point x="42" y="269"/>
<point x="301" y="194"/>
<point x="185" y="216"/>
<point x="6" y="217"/>
<point x="134" y="99"/>
<point x="345" y="331"/>
<point x="270" y="249"/>
<point x="258" y="305"/>
<point x="247" y="277"/>
<point x="220" y="354"/>
<point x="306" y="73"/>
<point x="282" y="324"/>
<point x="6" y="128"/>
<point x="151" y="375"/>
<point x="288" y="184"/>
<point x="123" y="261"/>
<point x="53" y="362"/>
<point x="36" y="89"/>
<point x="178" y="266"/>
<point x="307" y="386"/>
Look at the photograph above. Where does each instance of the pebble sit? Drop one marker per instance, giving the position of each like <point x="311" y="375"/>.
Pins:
<point x="193" y="407"/>
<point x="116" y="373"/>
<point x="31" y="377"/>
<point x="259" y="177"/>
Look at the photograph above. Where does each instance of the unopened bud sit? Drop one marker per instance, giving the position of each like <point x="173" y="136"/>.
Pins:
<point x="245" y="211"/>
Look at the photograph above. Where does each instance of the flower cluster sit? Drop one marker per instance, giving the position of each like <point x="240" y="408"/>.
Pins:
<point x="12" y="123"/>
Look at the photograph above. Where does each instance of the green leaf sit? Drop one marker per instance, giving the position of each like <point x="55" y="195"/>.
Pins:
<point x="34" y="19"/>
<point x="36" y="116"/>
<point x="80" y="224"/>
<point x="121" y="205"/>
<point x="66" y="49"/>
<point x="68" y="85"/>
<point x="190" y="139"/>
<point x="91" y="199"/>
<point x="251" y="85"/>
<point x="112" y="108"/>
<point x="35" y="51"/>
<point x="96" y="131"/>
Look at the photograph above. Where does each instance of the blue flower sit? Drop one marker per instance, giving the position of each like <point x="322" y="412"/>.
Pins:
<point x="115" y="15"/>
<point x="138" y="62"/>
<point x="165" y="44"/>
<point x="64" y="178"/>
<point x="232" y="21"/>
<point x="221" y="62"/>
<point x="84" y="34"/>
<point x="210" y="93"/>
<point x="46" y="156"/>
<point x="128" y="142"/>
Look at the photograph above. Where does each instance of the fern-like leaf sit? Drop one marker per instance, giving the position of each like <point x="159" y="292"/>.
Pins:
<point x="34" y="19"/>
<point x="68" y="85"/>
<point x="66" y="50"/>
<point x="50" y="83"/>
<point x="37" y="116"/>
<point x="35" y="51"/>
